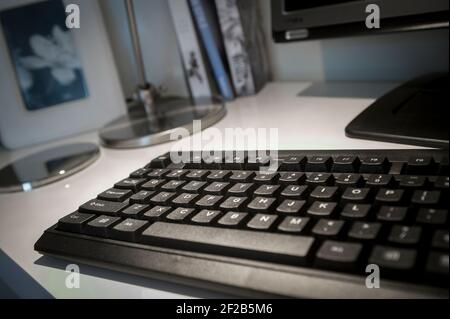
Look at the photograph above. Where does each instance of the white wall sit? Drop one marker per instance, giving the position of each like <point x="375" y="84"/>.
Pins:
<point x="158" y="41"/>
<point x="395" y="57"/>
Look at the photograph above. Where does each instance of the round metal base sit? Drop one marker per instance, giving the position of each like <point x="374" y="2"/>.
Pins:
<point x="138" y="129"/>
<point x="46" y="167"/>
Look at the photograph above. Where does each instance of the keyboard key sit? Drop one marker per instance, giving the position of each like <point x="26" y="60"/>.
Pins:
<point x="379" y="180"/>
<point x="233" y="203"/>
<point x="161" y="161"/>
<point x="412" y="181"/>
<point x="322" y="208"/>
<point x="255" y="162"/>
<point x="324" y="193"/>
<point x="99" y="206"/>
<point x="115" y="195"/>
<point x="364" y="231"/>
<point x="405" y="235"/>
<point x="345" y="164"/>
<point x="185" y="199"/>
<point x="231" y="242"/>
<point x="198" y="175"/>
<point x="287" y="178"/>
<point x="212" y="161"/>
<point x="442" y="182"/>
<point x="217" y="188"/>
<point x="293" y="224"/>
<point x="356" y="211"/>
<point x="390" y="195"/>
<point x="374" y="165"/>
<point x="265" y="177"/>
<point x="156" y="212"/>
<point x="241" y="189"/>
<point x="241" y="176"/>
<point x="176" y="174"/>
<point x="349" y="180"/>
<point x="134" y="211"/>
<point x="101" y="226"/>
<point x="423" y="197"/>
<point x="440" y="239"/>
<point x="392" y="213"/>
<point x="141" y="197"/>
<point x="262" y="221"/>
<point x="130" y="183"/>
<point x="208" y="201"/>
<point x="293" y="163"/>
<point x="319" y="179"/>
<point x="393" y="258"/>
<point x="421" y="165"/>
<point x="232" y="219"/>
<point x="153" y="184"/>
<point x="291" y="206"/>
<point x="328" y="227"/>
<point x="235" y="162"/>
<point x="180" y="213"/>
<point x="194" y="187"/>
<point x="294" y="191"/>
<point x="162" y="197"/>
<point x="261" y="204"/>
<point x="128" y="230"/>
<point x="267" y="190"/>
<point x="437" y="263"/>
<point x="158" y="173"/>
<point x="432" y="216"/>
<point x="173" y="185"/>
<point x="340" y="255"/>
<point x="74" y="222"/>
<point x="140" y="173"/>
<point x="355" y="194"/>
<point x="218" y="176"/>
<point x="205" y="216"/>
<point x="318" y="164"/>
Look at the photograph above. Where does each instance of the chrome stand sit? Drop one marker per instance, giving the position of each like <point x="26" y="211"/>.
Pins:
<point x="151" y="117"/>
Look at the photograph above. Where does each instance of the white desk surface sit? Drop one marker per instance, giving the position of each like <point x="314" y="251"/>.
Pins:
<point x="302" y="122"/>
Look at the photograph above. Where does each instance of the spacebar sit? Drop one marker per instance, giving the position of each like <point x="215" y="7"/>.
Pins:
<point x="230" y="242"/>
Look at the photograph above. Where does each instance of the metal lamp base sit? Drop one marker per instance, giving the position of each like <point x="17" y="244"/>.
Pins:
<point x="139" y="129"/>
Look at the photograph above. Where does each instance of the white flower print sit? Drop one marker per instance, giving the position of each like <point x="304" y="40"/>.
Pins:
<point x="55" y="52"/>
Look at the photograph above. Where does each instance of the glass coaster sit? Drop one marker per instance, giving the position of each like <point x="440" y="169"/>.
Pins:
<point x="47" y="166"/>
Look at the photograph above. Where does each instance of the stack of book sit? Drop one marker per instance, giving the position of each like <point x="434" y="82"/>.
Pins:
<point x="222" y="46"/>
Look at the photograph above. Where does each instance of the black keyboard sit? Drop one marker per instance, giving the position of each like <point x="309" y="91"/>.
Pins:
<point x="309" y="229"/>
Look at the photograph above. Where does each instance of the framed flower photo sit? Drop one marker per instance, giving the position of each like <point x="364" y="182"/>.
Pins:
<point x="54" y="81"/>
<point x="44" y="54"/>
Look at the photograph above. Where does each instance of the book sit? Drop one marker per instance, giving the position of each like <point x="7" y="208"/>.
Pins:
<point x="244" y="43"/>
<point x="206" y="21"/>
<point x="190" y="49"/>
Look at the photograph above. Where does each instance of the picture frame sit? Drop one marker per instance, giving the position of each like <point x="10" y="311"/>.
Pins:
<point x="83" y="97"/>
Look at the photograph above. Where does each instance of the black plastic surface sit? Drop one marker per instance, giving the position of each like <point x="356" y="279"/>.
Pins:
<point x="237" y="275"/>
<point x="415" y="113"/>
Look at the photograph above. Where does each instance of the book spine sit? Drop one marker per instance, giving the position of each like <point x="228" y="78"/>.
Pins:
<point x="193" y="62"/>
<point x="255" y="42"/>
<point x="212" y="50"/>
<point x="235" y="47"/>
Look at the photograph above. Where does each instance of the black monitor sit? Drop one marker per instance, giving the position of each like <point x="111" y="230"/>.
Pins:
<point x="414" y="113"/>
<point x="296" y="20"/>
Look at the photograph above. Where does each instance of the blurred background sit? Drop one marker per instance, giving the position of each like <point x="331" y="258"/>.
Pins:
<point x="372" y="58"/>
